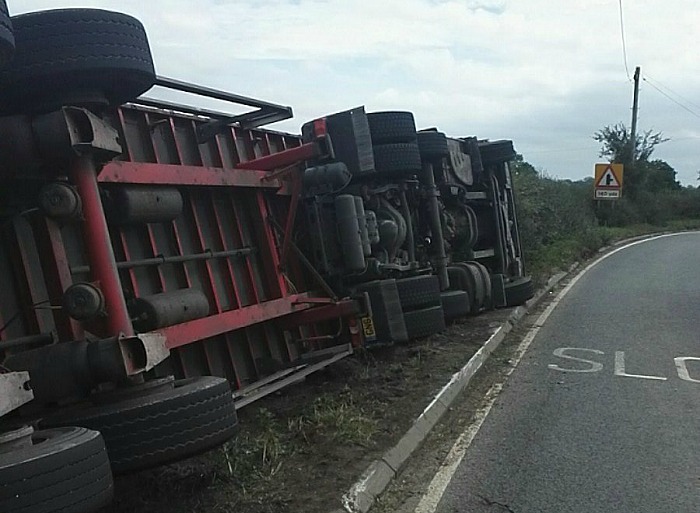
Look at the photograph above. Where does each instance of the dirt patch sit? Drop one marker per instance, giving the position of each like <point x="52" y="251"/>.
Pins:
<point x="301" y="449"/>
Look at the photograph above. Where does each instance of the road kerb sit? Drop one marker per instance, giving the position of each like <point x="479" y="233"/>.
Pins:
<point x="379" y="474"/>
<point x="397" y="455"/>
<point x="373" y="482"/>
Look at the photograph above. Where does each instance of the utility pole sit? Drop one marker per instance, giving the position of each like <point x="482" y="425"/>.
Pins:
<point x="635" y="108"/>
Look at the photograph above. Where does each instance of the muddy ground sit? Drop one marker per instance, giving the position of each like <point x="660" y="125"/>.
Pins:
<point x="301" y="449"/>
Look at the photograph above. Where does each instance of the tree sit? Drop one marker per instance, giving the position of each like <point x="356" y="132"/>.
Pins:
<point x="660" y="176"/>
<point x="521" y="167"/>
<point x="616" y="144"/>
<point x="640" y="173"/>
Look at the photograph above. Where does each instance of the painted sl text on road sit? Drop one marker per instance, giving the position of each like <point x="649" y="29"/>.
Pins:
<point x="585" y="365"/>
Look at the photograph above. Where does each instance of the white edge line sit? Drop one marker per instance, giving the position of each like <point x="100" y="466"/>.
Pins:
<point x="458" y="375"/>
<point x="443" y="477"/>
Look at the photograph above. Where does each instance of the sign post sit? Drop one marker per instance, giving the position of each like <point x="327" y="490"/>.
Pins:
<point x="608" y="181"/>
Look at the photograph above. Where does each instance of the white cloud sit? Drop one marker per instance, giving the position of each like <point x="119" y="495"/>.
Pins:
<point x="546" y="74"/>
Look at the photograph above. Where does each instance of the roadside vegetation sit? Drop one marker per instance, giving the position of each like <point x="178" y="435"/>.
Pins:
<point x="560" y="222"/>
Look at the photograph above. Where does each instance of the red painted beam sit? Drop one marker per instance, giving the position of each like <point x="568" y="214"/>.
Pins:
<point x="99" y="246"/>
<point x="176" y="174"/>
<point x="344" y="308"/>
<point x="200" y="329"/>
<point x="283" y="158"/>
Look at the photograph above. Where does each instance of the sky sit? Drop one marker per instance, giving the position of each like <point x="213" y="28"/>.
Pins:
<point x="545" y="73"/>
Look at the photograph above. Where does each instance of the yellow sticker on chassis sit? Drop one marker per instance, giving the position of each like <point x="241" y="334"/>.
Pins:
<point x="368" y="327"/>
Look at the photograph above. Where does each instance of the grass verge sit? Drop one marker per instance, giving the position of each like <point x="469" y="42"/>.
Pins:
<point x="251" y="462"/>
<point x="559" y="254"/>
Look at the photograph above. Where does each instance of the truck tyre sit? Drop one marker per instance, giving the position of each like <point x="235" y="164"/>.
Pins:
<point x="7" y="39"/>
<point x="397" y="158"/>
<point x="392" y="127"/>
<point x="64" y="470"/>
<point x="476" y="283"/>
<point x="75" y="56"/>
<point x="496" y="152"/>
<point x="519" y="291"/>
<point x="455" y="303"/>
<point x="433" y="145"/>
<point x="192" y="417"/>
<point x="458" y="278"/>
<point x="486" y="279"/>
<point x="418" y="291"/>
<point x="424" y="322"/>
<point x="461" y="279"/>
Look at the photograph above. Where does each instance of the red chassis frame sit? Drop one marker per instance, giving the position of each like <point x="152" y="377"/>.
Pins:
<point x="264" y="315"/>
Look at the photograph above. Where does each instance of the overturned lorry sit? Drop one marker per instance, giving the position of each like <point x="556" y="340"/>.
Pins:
<point x="423" y="224"/>
<point x="162" y="265"/>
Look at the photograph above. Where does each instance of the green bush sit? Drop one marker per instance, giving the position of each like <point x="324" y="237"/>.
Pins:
<point x="560" y="222"/>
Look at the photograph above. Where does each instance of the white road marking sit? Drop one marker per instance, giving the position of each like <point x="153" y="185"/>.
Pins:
<point x="443" y="477"/>
<point x="682" y="368"/>
<point x="560" y="352"/>
<point x="620" y="369"/>
<point x="438" y="485"/>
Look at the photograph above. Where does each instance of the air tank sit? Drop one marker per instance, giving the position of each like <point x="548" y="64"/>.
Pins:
<point x="362" y="219"/>
<point x="349" y="232"/>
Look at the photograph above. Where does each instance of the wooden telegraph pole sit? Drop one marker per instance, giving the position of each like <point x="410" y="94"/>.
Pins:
<point x="635" y="108"/>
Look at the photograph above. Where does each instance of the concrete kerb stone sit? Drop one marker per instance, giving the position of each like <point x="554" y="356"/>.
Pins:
<point x="462" y="378"/>
<point x="397" y="455"/>
<point x="379" y="474"/>
<point x="373" y="482"/>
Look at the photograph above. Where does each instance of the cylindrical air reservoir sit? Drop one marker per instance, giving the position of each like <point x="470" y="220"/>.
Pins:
<point x="362" y="220"/>
<point x="334" y="175"/>
<point x="349" y="232"/>
<point x="168" y="308"/>
<point x="143" y="204"/>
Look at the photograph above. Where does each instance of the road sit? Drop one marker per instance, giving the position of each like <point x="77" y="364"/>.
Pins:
<point x="603" y="412"/>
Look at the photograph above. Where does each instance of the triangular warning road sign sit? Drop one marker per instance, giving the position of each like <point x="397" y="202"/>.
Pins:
<point x="608" y="179"/>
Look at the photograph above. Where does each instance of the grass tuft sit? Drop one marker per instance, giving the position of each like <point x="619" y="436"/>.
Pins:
<point x="339" y="418"/>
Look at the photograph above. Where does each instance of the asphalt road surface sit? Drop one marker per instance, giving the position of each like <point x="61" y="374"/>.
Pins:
<point x="603" y="412"/>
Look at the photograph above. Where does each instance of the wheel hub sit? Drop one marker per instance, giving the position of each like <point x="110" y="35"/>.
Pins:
<point x="123" y="393"/>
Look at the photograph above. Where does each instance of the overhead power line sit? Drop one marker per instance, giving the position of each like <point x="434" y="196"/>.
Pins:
<point x="682" y="106"/>
<point x="562" y="150"/>
<point x="624" y="43"/>
<point x="671" y="91"/>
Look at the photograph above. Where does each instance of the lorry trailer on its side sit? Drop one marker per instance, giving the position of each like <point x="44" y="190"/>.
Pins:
<point x="163" y="265"/>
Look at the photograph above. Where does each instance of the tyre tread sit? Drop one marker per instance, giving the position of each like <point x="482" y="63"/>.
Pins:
<point x="78" y="51"/>
<point x="194" y="416"/>
<point x="433" y="145"/>
<point x="392" y="127"/>
<point x="397" y="158"/>
<point x="418" y="291"/>
<point x="68" y="471"/>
